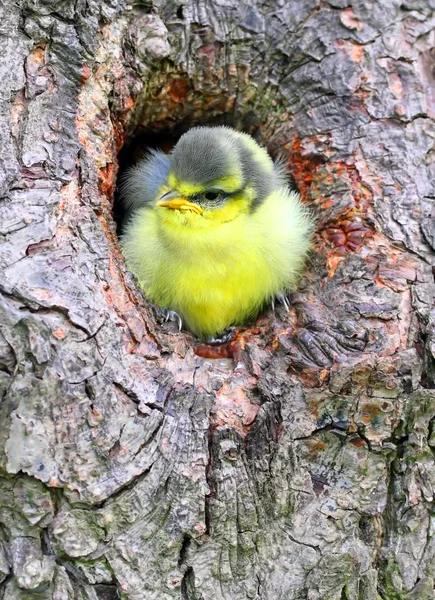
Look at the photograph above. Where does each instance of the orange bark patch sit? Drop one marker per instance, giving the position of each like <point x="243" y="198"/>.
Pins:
<point x="349" y="19"/>
<point x="332" y="263"/>
<point x="233" y="407"/>
<point x="42" y="294"/>
<point x="86" y="73"/>
<point x="396" y="86"/>
<point x="179" y="89"/>
<point x="316" y="447"/>
<point x="358" y="442"/>
<point x="353" y="50"/>
<point x="301" y="167"/>
<point x="311" y="378"/>
<point x="368" y="412"/>
<point x="327" y="204"/>
<point x="108" y="180"/>
<point x="35" y="59"/>
<point x="60" y="333"/>
<point x="218" y="351"/>
<point x="351" y="231"/>
<point x="118" y="131"/>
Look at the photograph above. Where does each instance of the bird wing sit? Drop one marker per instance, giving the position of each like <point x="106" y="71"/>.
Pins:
<point x="140" y="184"/>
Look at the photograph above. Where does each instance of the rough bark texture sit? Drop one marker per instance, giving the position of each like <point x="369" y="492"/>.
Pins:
<point x="300" y="467"/>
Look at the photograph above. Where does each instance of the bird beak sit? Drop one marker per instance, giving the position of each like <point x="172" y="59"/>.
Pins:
<point x="172" y="199"/>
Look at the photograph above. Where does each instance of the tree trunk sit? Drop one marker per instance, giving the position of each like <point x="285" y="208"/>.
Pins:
<point x="297" y="463"/>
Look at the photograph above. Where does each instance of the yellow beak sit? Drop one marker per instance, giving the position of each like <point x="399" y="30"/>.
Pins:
<point x="173" y="200"/>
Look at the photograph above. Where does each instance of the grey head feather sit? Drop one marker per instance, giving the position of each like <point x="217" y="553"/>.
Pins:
<point x="206" y="154"/>
<point x="261" y="179"/>
<point x="139" y="184"/>
<point x="201" y="156"/>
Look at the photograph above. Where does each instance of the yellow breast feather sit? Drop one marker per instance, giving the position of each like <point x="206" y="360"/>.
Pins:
<point x="216" y="273"/>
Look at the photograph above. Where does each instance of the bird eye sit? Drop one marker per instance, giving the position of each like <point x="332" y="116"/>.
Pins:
<point x="211" y="195"/>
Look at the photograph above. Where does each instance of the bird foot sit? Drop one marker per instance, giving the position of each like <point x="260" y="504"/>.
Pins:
<point x="282" y="298"/>
<point x="224" y="337"/>
<point x="171" y="315"/>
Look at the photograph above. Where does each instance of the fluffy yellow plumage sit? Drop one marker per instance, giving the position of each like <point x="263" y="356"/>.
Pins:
<point x="215" y="232"/>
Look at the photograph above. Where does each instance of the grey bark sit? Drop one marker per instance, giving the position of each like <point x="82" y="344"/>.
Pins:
<point x="302" y="465"/>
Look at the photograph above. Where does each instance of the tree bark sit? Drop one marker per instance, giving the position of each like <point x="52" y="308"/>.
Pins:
<point x="300" y="463"/>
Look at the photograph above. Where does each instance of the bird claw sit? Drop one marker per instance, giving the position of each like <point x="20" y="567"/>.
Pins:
<point x="171" y="315"/>
<point x="283" y="299"/>
<point x="225" y="336"/>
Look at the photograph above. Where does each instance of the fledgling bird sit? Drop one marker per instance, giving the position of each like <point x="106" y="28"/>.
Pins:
<point x="215" y="233"/>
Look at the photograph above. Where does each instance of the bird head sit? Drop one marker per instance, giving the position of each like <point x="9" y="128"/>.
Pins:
<point x="215" y="175"/>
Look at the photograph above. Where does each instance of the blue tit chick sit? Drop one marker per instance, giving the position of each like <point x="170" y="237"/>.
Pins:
<point x="215" y="233"/>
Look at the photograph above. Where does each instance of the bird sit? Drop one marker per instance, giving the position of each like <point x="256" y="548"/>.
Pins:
<point x="214" y="232"/>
